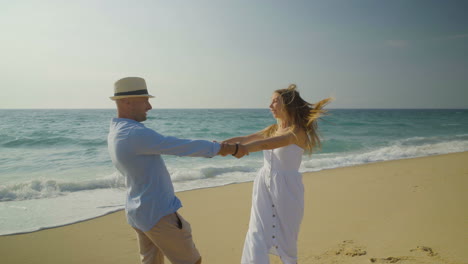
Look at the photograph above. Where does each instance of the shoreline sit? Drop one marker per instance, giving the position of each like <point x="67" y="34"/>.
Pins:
<point x="400" y="211"/>
<point x="218" y="186"/>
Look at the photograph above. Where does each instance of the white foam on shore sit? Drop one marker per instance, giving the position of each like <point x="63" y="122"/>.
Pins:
<point x="400" y="150"/>
<point x="46" y="204"/>
<point x="38" y="214"/>
<point x="51" y="188"/>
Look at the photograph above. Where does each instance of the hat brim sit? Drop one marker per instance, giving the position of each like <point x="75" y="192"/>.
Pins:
<point x="129" y="96"/>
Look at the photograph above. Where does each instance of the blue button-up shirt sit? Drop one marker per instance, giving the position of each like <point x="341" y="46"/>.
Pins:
<point x="136" y="152"/>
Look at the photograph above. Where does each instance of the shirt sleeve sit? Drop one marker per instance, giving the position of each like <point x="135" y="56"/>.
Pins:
<point x="148" y="142"/>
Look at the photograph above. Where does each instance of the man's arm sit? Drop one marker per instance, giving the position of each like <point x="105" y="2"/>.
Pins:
<point x="149" y="142"/>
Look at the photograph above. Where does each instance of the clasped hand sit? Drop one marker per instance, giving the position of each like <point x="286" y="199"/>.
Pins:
<point x="229" y="149"/>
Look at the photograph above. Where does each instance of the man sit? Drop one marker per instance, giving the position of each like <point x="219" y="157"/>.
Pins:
<point x="151" y="205"/>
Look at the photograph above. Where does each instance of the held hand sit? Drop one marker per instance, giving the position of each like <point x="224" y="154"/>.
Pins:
<point x="236" y="150"/>
<point x="225" y="149"/>
<point x="241" y="151"/>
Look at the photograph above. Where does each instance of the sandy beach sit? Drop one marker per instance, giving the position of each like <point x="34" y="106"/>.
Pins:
<point x="404" y="211"/>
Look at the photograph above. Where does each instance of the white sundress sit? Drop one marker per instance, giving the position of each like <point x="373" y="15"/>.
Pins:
<point x="277" y="208"/>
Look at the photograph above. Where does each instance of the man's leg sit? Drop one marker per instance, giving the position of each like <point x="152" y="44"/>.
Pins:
<point x="149" y="252"/>
<point x="173" y="236"/>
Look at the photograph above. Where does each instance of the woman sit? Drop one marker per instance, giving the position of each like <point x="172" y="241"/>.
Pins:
<point x="278" y="193"/>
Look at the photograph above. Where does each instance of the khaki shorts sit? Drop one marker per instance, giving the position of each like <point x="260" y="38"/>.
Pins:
<point x="170" y="237"/>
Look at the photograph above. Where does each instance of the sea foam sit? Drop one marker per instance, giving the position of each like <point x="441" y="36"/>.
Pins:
<point x="399" y="150"/>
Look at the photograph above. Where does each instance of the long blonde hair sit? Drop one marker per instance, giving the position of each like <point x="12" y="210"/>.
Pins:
<point x="301" y="115"/>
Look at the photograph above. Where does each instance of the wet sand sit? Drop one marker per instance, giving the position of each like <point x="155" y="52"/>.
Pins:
<point x="405" y="211"/>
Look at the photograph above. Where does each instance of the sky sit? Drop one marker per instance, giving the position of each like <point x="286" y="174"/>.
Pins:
<point x="234" y="54"/>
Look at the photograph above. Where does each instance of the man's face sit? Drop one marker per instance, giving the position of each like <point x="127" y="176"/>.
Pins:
<point x="138" y="106"/>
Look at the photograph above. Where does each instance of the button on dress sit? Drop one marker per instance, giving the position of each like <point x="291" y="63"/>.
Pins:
<point x="277" y="208"/>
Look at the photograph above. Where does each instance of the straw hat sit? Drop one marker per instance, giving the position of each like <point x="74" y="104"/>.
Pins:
<point x="130" y="87"/>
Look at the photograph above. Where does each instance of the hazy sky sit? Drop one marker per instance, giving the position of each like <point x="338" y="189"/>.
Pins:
<point x="234" y="54"/>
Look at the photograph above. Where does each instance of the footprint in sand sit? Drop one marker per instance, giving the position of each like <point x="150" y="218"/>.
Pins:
<point x="426" y="250"/>
<point x="428" y="257"/>
<point x="349" y="249"/>
<point x="345" y="249"/>
<point x="389" y="259"/>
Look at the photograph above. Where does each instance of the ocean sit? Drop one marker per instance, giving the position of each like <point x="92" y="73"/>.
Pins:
<point x="55" y="168"/>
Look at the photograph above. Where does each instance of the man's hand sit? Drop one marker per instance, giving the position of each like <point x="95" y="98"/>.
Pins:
<point x="226" y="149"/>
<point x="242" y="151"/>
<point x="230" y="149"/>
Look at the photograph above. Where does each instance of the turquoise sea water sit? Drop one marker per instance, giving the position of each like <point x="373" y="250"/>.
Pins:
<point x="55" y="169"/>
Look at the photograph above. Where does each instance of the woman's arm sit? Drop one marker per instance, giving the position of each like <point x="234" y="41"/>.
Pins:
<point x="245" y="139"/>
<point x="233" y="140"/>
<point x="271" y="143"/>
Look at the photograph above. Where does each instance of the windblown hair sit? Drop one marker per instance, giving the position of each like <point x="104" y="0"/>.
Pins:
<point x="301" y="115"/>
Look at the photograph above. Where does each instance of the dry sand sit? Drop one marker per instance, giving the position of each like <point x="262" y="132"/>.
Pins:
<point x="405" y="211"/>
